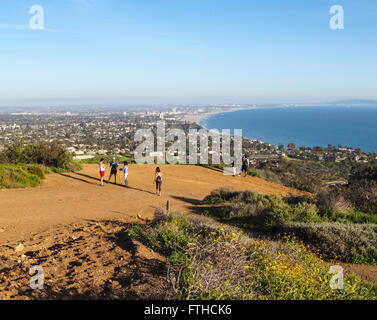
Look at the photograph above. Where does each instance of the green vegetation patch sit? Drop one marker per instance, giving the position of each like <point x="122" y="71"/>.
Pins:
<point x="348" y="236"/>
<point x="210" y="261"/>
<point x="355" y="243"/>
<point x="107" y="159"/>
<point x="20" y="176"/>
<point x="52" y="155"/>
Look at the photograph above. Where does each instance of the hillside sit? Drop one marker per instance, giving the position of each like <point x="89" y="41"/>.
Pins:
<point x="71" y="197"/>
<point x="64" y="225"/>
<point x="84" y="236"/>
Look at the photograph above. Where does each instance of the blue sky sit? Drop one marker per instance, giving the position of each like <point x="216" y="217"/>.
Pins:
<point x="180" y="51"/>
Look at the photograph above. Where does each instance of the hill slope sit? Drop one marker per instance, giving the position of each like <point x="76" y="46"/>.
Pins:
<point x="74" y="229"/>
<point x="67" y="198"/>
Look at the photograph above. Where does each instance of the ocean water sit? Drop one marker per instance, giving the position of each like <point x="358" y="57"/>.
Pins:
<point x="304" y="126"/>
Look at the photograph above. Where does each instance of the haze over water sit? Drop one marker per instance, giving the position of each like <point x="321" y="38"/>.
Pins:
<point x="308" y="126"/>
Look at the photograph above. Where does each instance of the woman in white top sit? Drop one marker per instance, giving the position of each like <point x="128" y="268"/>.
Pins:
<point x="102" y="172"/>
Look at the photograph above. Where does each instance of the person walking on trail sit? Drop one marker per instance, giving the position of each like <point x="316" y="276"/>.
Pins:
<point x="158" y="181"/>
<point x="113" y="170"/>
<point x="125" y="171"/>
<point x="101" y="171"/>
<point x="245" y="164"/>
<point x="234" y="169"/>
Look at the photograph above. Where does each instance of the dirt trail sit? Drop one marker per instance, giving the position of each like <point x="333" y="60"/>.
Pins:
<point x="67" y="198"/>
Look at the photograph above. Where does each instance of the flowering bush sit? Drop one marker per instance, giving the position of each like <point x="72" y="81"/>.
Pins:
<point x="212" y="261"/>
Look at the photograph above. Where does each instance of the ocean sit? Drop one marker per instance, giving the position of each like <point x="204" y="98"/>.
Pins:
<point x="305" y="126"/>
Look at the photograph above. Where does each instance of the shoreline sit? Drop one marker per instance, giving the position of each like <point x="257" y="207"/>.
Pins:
<point x="198" y="118"/>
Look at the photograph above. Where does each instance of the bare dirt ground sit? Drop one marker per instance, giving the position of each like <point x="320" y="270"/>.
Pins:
<point x="67" y="198"/>
<point x="76" y="230"/>
<point x="91" y="260"/>
<point x="366" y="272"/>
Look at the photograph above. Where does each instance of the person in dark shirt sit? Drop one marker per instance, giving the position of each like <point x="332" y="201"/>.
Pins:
<point x="113" y="170"/>
<point x="245" y="164"/>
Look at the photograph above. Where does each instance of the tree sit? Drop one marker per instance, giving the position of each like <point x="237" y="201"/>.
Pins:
<point x="291" y="146"/>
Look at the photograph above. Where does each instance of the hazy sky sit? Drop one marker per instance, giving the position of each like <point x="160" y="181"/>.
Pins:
<point x="188" y="51"/>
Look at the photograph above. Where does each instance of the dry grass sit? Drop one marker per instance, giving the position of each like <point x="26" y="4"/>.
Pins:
<point x="161" y="214"/>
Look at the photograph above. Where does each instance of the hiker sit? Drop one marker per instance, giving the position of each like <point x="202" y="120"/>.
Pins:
<point x="245" y="164"/>
<point x="158" y="181"/>
<point x="114" y="170"/>
<point x="102" y="171"/>
<point x="125" y="171"/>
<point x="234" y="168"/>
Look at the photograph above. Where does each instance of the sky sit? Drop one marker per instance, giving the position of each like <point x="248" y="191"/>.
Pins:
<point x="187" y="51"/>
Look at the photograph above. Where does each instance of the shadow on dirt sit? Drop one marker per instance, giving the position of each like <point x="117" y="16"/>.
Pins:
<point x="195" y="202"/>
<point x="98" y="180"/>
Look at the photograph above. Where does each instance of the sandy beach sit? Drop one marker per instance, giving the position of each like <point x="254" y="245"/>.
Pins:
<point x="197" y="117"/>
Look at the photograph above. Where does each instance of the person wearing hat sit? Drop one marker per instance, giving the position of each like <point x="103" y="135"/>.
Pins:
<point x="114" y="170"/>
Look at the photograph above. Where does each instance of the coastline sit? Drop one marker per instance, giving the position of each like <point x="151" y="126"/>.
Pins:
<point x="200" y="119"/>
<point x="197" y="118"/>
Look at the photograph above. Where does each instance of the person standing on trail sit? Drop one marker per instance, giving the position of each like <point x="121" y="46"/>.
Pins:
<point x="125" y="171"/>
<point x="158" y="181"/>
<point x="101" y="171"/>
<point x="245" y="164"/>
<point x="114" y="170"/>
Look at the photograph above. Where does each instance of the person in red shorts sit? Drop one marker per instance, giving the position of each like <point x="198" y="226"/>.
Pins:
<point x="102" y="171"/>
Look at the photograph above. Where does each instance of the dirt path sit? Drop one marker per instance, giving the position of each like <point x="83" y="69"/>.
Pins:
<point x="74" y="197"/>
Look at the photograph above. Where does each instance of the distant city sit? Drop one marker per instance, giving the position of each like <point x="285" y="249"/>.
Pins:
<point x="88" y="130"/>
<point x="109" y="130"/>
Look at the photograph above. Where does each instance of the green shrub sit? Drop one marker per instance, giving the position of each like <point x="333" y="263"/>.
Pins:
<point x="107" y="159"/>
<point x="166" y="238"/>
<point x="306" y="212"/>
<point x="218" y="196"/>
<point x="20" y="176"/>
<point x="50" y="154"/>
<point x="360" y="217"/>
<point x="262" y="210"/>
<point x="254" y="174"/>
<point x="339" y="241"/>
<point x="276" y="210"/>
<point x="38" y="171"/>
<point x="334" y="201"/>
